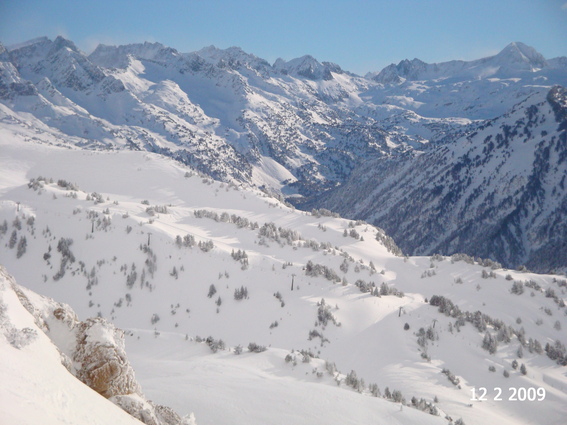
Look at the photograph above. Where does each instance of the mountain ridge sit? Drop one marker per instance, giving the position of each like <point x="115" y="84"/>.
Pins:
<point x="515" y="57"/>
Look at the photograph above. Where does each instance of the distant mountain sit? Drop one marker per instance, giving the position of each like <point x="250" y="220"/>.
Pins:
<point x="228" y="113"/>
<point x="478" y="89"/>
<point x="307" y="67"/>
<point x="498" y="191"/>
<point x="513" y="59"/>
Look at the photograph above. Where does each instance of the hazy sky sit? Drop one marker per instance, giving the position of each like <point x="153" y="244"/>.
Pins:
<point x="359" y="35"/>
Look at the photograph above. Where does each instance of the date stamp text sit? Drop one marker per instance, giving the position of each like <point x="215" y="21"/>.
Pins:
<point x="511" y="394"/>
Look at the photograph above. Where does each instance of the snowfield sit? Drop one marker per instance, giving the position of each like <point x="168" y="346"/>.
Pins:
<point x="196" y="271"/>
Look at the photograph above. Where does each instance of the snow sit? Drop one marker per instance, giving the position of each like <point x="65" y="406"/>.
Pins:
<point x="222" y="386"/>
<point x="256" y="388"/>
<point x="221" y="109"/>
<point x="271" y="172"/>
<point x="36" y="388"/>
<point x="129" y="268"/>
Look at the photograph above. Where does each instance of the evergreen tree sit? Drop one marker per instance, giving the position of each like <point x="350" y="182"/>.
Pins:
<point x="13" y="240"/>
<point x="489" y="343"/>
<point x="22" y="244"/>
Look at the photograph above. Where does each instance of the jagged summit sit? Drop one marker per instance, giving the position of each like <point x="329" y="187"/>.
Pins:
<point x="43" y="45"/>
<point x="61" y="43"/>
<point x="305" y="66"/>
<point x="520" y="53"/>
<point x="233" y="57"/>
<point x="59" y="60"/>
<point x="36" y="40"/>
<point x="118" y="56"/>
<point x="405" y="69"/>
<point x="515" y="57"/>
<point x="32" y="50"/>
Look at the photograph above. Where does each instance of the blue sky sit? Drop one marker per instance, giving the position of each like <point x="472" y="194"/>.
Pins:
<point x="359" y="35"/>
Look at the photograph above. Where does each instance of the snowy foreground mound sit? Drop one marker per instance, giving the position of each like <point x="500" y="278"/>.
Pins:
<point x="44" y="345"/>
<point x="243" y="310"/>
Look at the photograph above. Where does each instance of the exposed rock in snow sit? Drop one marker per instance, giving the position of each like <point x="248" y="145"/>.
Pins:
<point x="101" y="359"/>
<point x="95" y="345"/>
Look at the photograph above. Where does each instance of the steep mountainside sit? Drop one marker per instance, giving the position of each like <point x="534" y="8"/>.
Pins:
<point x="225" y="112"/>
<point x="498" y="192"/>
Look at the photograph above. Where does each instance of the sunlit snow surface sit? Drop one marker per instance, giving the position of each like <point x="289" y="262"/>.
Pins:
<point x="224" y="388"/>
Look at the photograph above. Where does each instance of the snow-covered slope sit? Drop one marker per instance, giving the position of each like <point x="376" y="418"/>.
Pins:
<point x="225" y="112"/>
<point x="197" y="270"/>
<point x="497" y="192"/>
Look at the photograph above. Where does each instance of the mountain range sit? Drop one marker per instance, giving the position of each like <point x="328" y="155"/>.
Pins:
<point x="306" y="130"/>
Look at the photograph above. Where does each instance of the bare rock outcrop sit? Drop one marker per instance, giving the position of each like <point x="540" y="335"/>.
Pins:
<point x="103" y="363"/>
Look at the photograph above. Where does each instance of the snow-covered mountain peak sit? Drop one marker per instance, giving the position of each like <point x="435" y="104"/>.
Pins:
<point x="59" y="60"/>
<point x="520" y="56"/>
<point x="30" y="51"/>
<point x="42" y="47"/>
<point x="333" y="67"/>
<point x="404" y="70"/>
<point x="412" y="67"/>
<point x="36" y="40"/>
<point x="305" y="66"/>
<point x="109" y="56"/>
<point x="514" y="58"/>
<point x="117" y="56"/>
<point x="62" y="43"/>
<point x="233" y="57"/>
